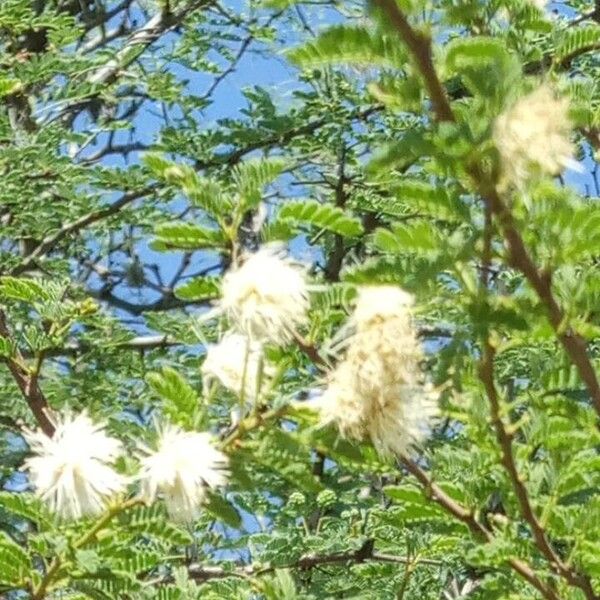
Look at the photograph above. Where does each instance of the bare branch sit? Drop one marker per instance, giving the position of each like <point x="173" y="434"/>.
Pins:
<point x="365" y="553"/>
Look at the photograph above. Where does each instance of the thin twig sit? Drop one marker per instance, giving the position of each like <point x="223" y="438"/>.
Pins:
<point x="27" y="381"/>
<point x="504" y="438"/>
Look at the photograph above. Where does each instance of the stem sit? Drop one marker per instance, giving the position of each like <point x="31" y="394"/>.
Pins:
<point x="250" y="423"/>
<point x="574" y="344"/>
<point x="467" y="517"/>
<point x="86" y="538"/>
<point x="504" y="438"/>
<point x="27" y="381"/>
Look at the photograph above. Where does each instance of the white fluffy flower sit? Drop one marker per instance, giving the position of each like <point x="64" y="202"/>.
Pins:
<point x="376" y="391"/>
<point x="266" y="298"/>
<point x="185" y="465"/>
<point x="236" y="362"/>
<point x="380" y="304"/>
<point x="533" y="135"/>
<point x="70" y="471"/>
<point x="539" y="4"/>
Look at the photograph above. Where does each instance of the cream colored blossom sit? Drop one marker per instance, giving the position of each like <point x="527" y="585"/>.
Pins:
<point x="376" y="305"/>
<point x="71" y="470"/>
<point x="236" y="362"/>
<point x="376" y="391"/>
<point x="533" y="136"/>
<point x="266" y="298"/>
<point x="183" y="468"/>
<point x="539" y="4"/>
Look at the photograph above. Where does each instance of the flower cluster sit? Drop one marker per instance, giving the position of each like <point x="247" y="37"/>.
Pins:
<point x="73" y="471"/>
<point x="376" y="392"/>
<point x="533" y="136"/>
<point x="265" y="300"/>
<point x="185" y="465"/>
<point x="236" y="363"/>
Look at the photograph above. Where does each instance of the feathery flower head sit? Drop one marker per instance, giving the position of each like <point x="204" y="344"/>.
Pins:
<point x="185" y="465"/>
<point x="379" y="304"/>
<point x="341" y="404"/>
<point x="539" y="4"/>
<point x="70" y="471"/>
<point x="236" y="363"/>
<point x="376" y="391"/>
<point x="266" y="298"/>
<point x="534" y="135"/>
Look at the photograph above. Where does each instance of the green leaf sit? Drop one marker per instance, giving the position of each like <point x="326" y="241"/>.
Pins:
<point x="494" y="553"/>
<point x="133" y="560"/>
<point x="88" y="560"/>
<point x="420" y="238"/>
<point x="589" y="555"/>
<point x="322" y="216"/>
<point x="400" y="155"/>
<point x="577" y="40"/>
<point x="151" y="521"/>
<point x="484" y="64"/>
<point x="182" y="399"/>
<point x="435" y="201"/>
<point x="26" y="506"/>
<point x="199" y="288"/>
<point x="9" y="86"/>
<point x="15" y="563"/>
<point x="186" y="236"/>
<point x="252" y="176"/>
<point x="25" y="290"/>
<point x="204" y="192"/>
<point x="7" y="348"/>
<point x="352" y="45"/>
<point x="222" y="509"/>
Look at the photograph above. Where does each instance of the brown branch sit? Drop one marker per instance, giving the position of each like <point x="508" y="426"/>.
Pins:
<point x="504" y="438"/>
<point x="335" y="260"/>
<point x="365" y="553"/>
<point x="50" y="241"/>
<point x="467" y="517"/>
<point x="573" y="343"/>
<point x="420" y="47"/>
<point x="27" y="382"/>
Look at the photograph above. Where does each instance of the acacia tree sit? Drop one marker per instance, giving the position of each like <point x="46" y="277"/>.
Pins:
<point x="330" y="340"/>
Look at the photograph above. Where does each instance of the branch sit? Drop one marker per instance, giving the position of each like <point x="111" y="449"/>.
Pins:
<point x="140" y="343"/>
<point x="467" y="517"/>
<point x="142" y="38"/>
<point x="50" y="241"/>
<point x="365" y="553"/>
<point x="573" y="343"/>
<point x="420" y="47"/>
<point x="233" y="157"/>
<point x="573" y="578"/>
<point x="135" y="44"/>
<point x="27" y="382"/>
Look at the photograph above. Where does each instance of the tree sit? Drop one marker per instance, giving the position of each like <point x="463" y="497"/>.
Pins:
<point x="330" y="338"/>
